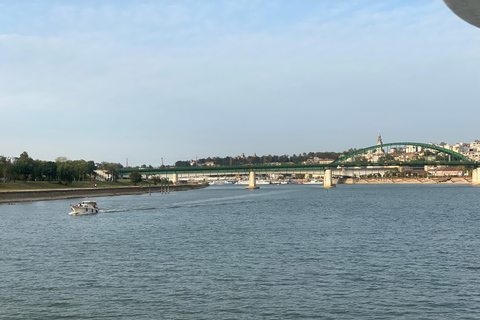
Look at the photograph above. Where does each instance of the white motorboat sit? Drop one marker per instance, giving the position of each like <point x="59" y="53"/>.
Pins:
<point x="261" y="181"/>
<point x="221" y="182"/>
<point x="314" y="182"/>
<point x="84" y="208"/>
<point x="247" y="182"/>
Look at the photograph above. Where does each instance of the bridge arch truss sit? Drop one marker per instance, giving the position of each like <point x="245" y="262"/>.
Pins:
<point x="449" y="156"/>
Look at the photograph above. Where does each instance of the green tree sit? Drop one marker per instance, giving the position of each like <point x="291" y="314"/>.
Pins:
<point x="80" y="168"/>
<point x="50" y="170"/>
<point x="91" y="167"/>
<point x="112" y="170"/>
<point x="182" y="164"/>
<point x="66" y="172"/>
<point x="23" y="166"/>
<point x="135" y="177"/>
<point x="5" y="167"/>
<point x="38" y="166"/>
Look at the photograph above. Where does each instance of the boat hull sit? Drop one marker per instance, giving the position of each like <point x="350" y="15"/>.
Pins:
<point x="83" y="211"/>
<point x="84" y="208"/>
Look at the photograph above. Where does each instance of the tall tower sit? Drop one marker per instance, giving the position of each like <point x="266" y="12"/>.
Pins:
<point x="379" y="142"/>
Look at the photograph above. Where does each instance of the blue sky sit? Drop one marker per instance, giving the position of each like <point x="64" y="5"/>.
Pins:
<point x="145" y="80"/>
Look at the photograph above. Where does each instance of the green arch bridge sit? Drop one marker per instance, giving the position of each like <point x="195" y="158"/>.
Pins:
<point x="441" y="155"/>
<point x="397" y="154"/>
<point x="438" y="156"/>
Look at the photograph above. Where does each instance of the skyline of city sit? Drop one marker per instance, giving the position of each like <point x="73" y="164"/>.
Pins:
<point x="471" y="150"/>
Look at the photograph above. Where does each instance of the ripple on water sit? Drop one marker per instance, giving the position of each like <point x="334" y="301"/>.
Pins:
<point x="288" y="252"/>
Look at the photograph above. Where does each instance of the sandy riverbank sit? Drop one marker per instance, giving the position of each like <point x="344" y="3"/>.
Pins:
<point x="43" y="195"/>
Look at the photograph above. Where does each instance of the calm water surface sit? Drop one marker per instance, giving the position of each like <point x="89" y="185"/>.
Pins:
<point x="280" y="252"/>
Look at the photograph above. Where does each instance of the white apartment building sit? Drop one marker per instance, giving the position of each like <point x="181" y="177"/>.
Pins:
<point x="471" y="150"/>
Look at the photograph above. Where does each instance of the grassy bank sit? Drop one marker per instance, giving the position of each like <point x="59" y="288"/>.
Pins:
<point x="14" y="196"/>
<point x="44" y="185"/>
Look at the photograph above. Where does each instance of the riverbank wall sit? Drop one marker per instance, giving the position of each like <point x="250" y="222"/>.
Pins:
<point x="56" y="194"/>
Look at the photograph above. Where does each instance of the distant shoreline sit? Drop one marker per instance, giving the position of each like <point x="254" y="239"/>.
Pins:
<point x="17" y="196"/>
<point x="452" y="180"/>
<point x="10" y="197"/>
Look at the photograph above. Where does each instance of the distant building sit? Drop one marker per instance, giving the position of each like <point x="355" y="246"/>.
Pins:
<point x="445" y="172"/>
<point x="325" y="161"/>
<point x="413" y="149"/>
<point x="317" y="160"/>
<point x="475" y="145"/>
<point x="102" y="175"/>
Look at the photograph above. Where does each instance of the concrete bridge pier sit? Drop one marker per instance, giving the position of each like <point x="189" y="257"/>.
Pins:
<point x="251" y="181"/>
<point x="327" y="180"/>
<point x="476" y="177"/>
<point x="175" y="178"/>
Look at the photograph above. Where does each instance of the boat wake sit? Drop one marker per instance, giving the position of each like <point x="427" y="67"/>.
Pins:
<point x="112" y="210"/>
<point x="125" y="210"/>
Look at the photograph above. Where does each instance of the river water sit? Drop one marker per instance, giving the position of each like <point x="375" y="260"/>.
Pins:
<point x="280" y="252"/>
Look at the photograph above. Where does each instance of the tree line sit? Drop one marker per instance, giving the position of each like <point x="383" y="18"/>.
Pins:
<point x="24" y="168"/>
<point x="266" y="159"/>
